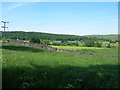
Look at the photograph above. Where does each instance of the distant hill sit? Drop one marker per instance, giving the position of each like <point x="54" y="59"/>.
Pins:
<point x="112" y="37"/>
<point x="46" y="36"/>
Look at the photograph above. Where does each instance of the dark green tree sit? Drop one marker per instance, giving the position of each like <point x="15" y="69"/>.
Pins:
<point x="108" y="46"/>
<point x="46" y="42"/>
<point x="89" y="43"/>
<point x="97" y="44"/>
<point x="34" y="40"/>
<point x="56" y="43"/>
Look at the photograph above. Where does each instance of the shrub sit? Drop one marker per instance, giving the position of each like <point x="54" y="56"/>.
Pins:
<point x="97" y="44"/>
<point x="63" y="43"/>
<point x="34" y="40"/>
<point x="89" y="43"/>
<point x="56" y="43"/>
<point x="108" y="46"/>
<point x="77" y="44"/>
<point x="46" y="42"/>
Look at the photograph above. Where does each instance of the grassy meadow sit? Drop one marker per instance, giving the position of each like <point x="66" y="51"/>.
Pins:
<point x="25" y="67"/>
<point x="111" y="37"/>
<point x="96" y="50"/>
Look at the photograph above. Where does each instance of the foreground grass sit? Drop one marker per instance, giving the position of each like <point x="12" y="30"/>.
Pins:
<point x="25" y="67"/>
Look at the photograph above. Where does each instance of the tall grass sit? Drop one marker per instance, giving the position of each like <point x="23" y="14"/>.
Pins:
<point x="25" y="67"/>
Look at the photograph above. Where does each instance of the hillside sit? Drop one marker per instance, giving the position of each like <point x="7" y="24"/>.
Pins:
<point x="45" y="36"/>
<point x="26" y="68"/>
<point x="112" y="37"/>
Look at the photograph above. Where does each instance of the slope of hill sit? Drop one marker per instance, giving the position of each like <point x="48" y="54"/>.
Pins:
<point x="45" y="36"/>
<point x="26" y="68"/>
<point x="112" y="37"/>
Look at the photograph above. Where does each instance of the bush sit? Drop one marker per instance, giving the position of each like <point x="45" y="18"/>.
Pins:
<point x="63" y="43"/>
<point x="89" y="43"/>
<point x="46" y="42"/>
<point x="108" y="46"/>
<point x="56" y="43"/>
<point x="77" y="44"/>
<point x="34" y="40"/>
<point x="97" y="44"/>
<point x="72" y="43"/>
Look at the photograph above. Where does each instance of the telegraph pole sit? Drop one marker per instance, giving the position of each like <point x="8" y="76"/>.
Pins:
<point x="4" y="26"/>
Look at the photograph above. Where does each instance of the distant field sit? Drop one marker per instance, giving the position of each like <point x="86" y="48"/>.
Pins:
<point x="111" y="37"/>
<point x="102" y="51"/>
<point x="25" y="67"/>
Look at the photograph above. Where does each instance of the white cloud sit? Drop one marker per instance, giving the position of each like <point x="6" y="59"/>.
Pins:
<point x="15" y="6"/>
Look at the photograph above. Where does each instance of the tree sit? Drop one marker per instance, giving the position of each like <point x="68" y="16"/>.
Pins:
<point x="97" y="44"/>
<point x="108" y="46"/>
<point x="77" y="44"/>
<point x="34" y="40"/>
<point x="56" y="43"/>
<point x="63" y="43"/>
<point x="45" y="36"/>
<point x="89" y="43"/>
<point x="46" y="42"/>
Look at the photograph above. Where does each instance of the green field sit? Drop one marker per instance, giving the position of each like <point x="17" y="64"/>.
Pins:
<point x="111" y="36"/>
<point x="25" y="67"/>
<point x="95" y="50"/>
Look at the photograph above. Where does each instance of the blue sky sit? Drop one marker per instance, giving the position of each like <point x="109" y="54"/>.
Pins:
<point x="79" y="18"/>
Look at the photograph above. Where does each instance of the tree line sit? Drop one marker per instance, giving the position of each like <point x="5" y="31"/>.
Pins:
<point x="46" y="36"/>
<point x="87" y="43"/>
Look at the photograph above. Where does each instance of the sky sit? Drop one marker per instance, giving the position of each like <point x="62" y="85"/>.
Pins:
<point x="60" y="0"/>
<point x="76" y="18"/>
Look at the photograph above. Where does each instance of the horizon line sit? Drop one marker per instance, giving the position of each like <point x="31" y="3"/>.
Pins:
<point x="63" y="33"/>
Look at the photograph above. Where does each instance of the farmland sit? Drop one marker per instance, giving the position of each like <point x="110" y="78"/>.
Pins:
<point x="25" y="67"/>
<point x="111" y="37"/>
<point x="96" y="50"/>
